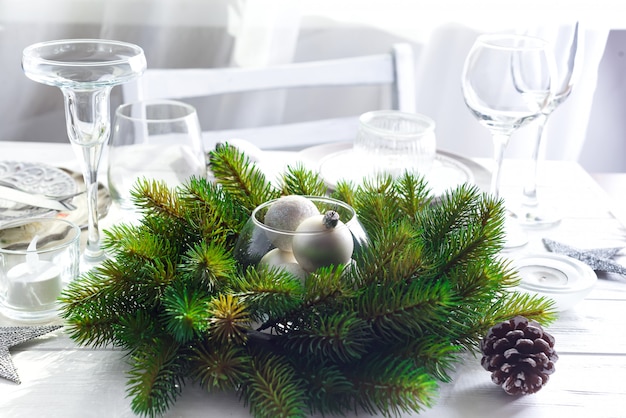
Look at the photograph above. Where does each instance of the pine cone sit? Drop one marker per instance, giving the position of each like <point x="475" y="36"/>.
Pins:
<point x="519" y="355"/>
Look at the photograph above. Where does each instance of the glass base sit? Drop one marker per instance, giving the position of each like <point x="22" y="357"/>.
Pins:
<point x="535" y="216"/>
<point x="40" y="316"/>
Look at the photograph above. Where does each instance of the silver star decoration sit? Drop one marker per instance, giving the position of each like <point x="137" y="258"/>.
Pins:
<point x="12" y="336"/>
<point x="599" y="259"/>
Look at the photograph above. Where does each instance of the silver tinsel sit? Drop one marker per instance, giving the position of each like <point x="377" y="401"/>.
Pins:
<point x="12" y="336"/>
<point x="599" y="259"/>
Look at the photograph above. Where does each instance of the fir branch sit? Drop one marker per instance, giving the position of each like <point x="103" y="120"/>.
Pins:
<point x="92" y="304"/>
<point x="437" y="354"/>
<point x="413" y="194"/>
<point x="156" y="377"/>
<point x="391" y="386"/>
<point x="240" y="178"/>
<point x="209" y="266"/>
<point x="216" y="216"/>
<point x="327" y="384"/>
<point x="346" y="192"/>
<point x="299" y="180"/>
<point x="135" y="243"/>
<point x="377" y="204"/>
<point x="398" y="311"/>
<point x="395" y="254"/>
<point x="156" y="197"/>
<point x="273" y="389"/>
<point x="137" y="329"/>
<point x="228" y="320"/>
<point x="340" y="337"/>
<point x="219" y="367"/>
<point x="185" y="311"/>
<point x="268" y="292"/>
<point x="537" y="308"/>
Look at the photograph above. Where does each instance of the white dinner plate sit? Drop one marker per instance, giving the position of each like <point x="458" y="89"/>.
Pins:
<point x="336" y="162"/>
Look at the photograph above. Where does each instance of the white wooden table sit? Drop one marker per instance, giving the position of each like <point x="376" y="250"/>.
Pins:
<point x="60" y="379"/>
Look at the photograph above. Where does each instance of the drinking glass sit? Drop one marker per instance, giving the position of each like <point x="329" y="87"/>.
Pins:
<point x="86" y="70"/>
<point x="392" y="142"/>
<point x="155" y="140"/>
<point x="564" y="41"/>
<point x="506" y="83"/>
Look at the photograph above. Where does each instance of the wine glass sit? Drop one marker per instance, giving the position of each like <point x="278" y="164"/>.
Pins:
<point x="154" y="139"/>
<point x="564" y="41"/>
<point x="86" y="70"/>
<point x="506" y="83"/>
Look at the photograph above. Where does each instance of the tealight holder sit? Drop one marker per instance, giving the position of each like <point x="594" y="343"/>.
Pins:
<point x="306" y="247"/>
<point x="563" y="279"/>
<point x="38" y="258"/>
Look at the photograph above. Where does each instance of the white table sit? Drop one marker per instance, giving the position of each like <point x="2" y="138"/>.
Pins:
<point x="62" y="379"/>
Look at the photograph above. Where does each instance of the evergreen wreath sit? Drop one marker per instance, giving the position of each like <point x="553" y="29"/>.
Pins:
<point x="378" y="337"/>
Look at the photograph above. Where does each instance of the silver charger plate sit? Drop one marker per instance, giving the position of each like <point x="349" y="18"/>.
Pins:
<point x="33" y="178"/>
<point x="45" y="179"/>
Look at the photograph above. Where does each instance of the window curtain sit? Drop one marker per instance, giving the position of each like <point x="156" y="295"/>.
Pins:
<point x="216" y="33"/>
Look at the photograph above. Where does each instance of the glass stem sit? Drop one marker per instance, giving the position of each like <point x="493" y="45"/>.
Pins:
<point x="88" y="127"/>
<point x="500" y="141"/>
<point x="530" y="187"/>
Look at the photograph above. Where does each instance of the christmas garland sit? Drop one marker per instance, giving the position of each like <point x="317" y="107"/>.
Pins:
<point x="377" y="335"/>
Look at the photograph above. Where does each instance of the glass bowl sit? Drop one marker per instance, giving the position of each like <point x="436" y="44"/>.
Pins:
<point x="301" y="243"/>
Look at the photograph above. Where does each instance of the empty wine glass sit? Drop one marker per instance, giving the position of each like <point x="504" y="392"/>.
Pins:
<point x="506" y="84"/>
<point x="86" y="70"/>
<point x="564" y="41"/>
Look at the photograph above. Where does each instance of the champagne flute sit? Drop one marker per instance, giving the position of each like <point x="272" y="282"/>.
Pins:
<point x="506" y="83"/>
<point x="564" y="41"/>
<point x="86" y="70"/>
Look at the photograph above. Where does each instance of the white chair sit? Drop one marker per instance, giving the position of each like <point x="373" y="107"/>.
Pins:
<point x="395" y="70"/>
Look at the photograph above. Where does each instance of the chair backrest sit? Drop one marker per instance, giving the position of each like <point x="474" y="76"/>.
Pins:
<point x="395" y="69"/>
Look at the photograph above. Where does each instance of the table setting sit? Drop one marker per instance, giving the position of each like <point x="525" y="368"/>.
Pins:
<point x="376" y="277"/>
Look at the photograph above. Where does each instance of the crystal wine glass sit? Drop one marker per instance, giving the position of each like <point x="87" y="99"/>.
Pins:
<point x="506" y="84"/>
<point x="86" y="70"/>
<point x="564" y="41"/>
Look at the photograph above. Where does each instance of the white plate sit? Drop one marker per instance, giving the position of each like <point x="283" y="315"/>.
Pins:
<point x="336" y="162"/>
<point x="33" y="178"/>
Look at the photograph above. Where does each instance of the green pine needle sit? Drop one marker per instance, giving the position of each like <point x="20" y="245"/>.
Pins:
<point x="156" y="377"/>
<point x="340" y="337"/>
<point x="391" y="386"/>
<point x="299" y="180"/>
<point x="274" y="389"/>
<point x="239" y="177"/>
<point x="185" y="312"/>
<point x="218" y="367"/>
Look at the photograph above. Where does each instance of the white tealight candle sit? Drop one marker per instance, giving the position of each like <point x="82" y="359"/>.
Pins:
<point x="35" y="284"/>
<point x="33" y="287"/>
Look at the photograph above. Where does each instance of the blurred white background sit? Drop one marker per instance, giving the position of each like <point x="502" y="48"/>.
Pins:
<point x="589" y="127"/>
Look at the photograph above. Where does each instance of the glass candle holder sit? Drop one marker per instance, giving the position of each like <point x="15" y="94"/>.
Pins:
<point x="38" y="258"/>
<point x="301" y="246"/>
<point x="392" y="142"/>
